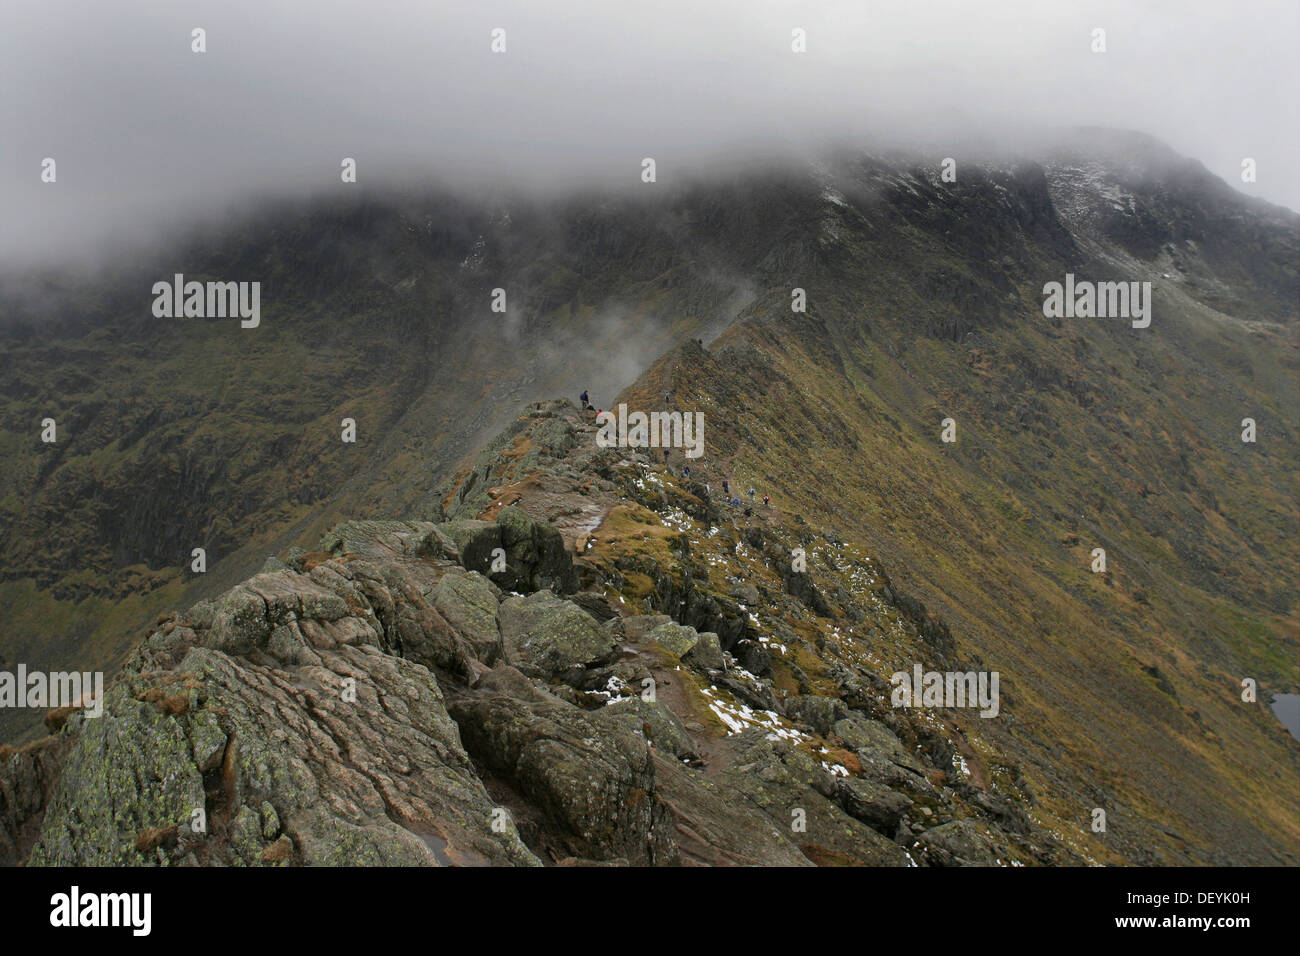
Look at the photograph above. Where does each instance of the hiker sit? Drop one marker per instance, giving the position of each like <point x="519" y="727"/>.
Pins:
<point x="686" y="471"/>
<point x="666" y="450"/>
<point x="726" y="488"/>
<point x="767" y="501"/>
<point x="586" y="404"/>
<point x="751" y="492"/>
<point x="735" y="502"/>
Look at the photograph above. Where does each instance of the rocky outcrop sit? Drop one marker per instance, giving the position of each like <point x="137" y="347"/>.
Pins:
<point x="547" y="636"/>
<point x="395" y="697"/>
<point x="27" y="781"/>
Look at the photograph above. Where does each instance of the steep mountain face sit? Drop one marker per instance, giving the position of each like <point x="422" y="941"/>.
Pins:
<point x="480" y="690"/>
<point x="175" y="434"/>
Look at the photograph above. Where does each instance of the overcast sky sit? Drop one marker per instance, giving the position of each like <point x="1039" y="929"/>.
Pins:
<point x="145" y="132"/>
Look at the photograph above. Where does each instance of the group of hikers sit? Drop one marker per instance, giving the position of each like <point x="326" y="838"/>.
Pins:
<point x="732" y="500"/>
<point x="735" y="501"/>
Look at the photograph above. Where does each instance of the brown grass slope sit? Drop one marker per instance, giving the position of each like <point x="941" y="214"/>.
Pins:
<point x="1121" y="690"/>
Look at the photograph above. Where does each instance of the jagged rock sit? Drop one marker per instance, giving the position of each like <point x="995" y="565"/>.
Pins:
<point x="242" y="700"/>
<point x="595" y="604"/>
<point x="467" y="603"/>
<point x="712" y="828"/>
<point x="800" y="584"/>
<point x="248" y="616"/>
<point x="659" y="725"/>
<point x="818" y="713"/>
<point x="474" y="541"/>
<point x="757" y="694"/>
<point x="878" y="807"/>
<point x="707" y="652"/>
<point x="718" y="614"/>
<point x="754" y="657"/>
<point x="872" y="737"/>
<point x="677" y="639"/>
<point x="28" y="777"/>
<point x="549" y="635"/>
<point x="631" y="676"/>
<point x="535" y="555"/>
<point x="792" y="789"/>
<point x="379" y="779"/>
<point x="594" y="781"/>
<point x="959" y="843"/>
<point x="386" y="540"/>
<point x="636" y="627"/>
<point x="1004" y="813"/>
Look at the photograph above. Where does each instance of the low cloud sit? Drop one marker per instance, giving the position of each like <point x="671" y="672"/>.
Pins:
<point x="147" y="134"/>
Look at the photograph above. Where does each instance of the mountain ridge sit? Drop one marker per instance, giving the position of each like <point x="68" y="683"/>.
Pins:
<point x="924" y="303"/>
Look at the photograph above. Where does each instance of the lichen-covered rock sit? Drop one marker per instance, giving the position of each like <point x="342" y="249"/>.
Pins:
<point x="28" y="777"/>
<point x="818" y="713"/>
<point x="546" y="635"/>
<point x="593" y="780"/>
<point x="878" y="807"/>
<point x="381" y="701"/>
<point x="874" y="741"/>
<point x="787" y="784"/>
<point x="659" y="725"/>
<point x="352" y="759"/>
<point x="959" y="843"/>
<point x="713" y="828"/>
<point x="637" y="627"/>
<point x="533" y="552"/>
<point x="467" y="603"/>
<point x="128" y="771"/>
<point x="676" y="638"/>
<point x="536" y="558"/>
<point x="475" y="541"/>
<point x="707" y="653"/>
